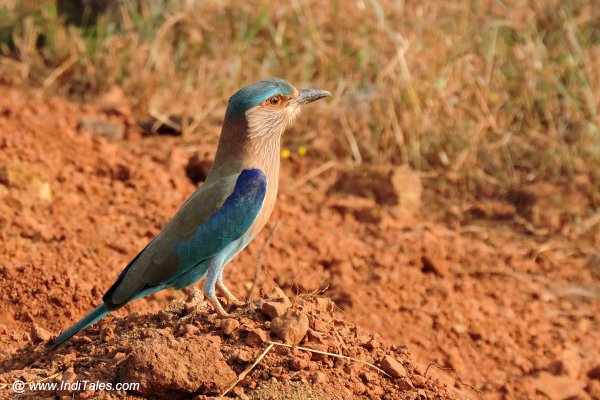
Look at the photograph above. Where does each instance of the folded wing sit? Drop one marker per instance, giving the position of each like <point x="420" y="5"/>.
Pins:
<point x="217" y="214"/>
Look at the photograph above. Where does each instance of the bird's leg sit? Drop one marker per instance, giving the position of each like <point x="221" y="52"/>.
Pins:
<point x="231" y="299"/>
<point x="212" y="275"/>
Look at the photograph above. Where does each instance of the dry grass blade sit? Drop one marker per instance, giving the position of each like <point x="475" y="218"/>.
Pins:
<point x="247" y="370"/>
<point x="311" y="175"/>
<point x="332" y="355"/>
<point x="59" y="71"/>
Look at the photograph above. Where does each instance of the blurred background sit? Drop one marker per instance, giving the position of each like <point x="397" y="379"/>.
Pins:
<point x="492" y="93"/>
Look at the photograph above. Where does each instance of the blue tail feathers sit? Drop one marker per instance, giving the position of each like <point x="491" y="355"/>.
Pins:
<point x="96" y="314"/>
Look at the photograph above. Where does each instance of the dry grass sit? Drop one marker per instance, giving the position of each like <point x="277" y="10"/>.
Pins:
<point x="492" y="93"/>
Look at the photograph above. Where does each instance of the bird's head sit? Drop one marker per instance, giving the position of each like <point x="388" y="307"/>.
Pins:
<point x="267" y="107"/>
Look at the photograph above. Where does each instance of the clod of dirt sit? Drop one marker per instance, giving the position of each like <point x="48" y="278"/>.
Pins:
<point x="167" y="367"/>
<point x="256" y="337"/>
<point x="434" y="258"/>
<point x="388" y="185"/>
<point x="228" y="326"/>
<point x="393" y="367"/>
<point x="275" y="308"/>
<point x="39" y="334"/>
<point x="100" y="127"/>
<point x="29" y="179"/>
<point x="291" y="327"/>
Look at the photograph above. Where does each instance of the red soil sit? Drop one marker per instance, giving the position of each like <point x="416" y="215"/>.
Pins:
<point x="496" y="298"/>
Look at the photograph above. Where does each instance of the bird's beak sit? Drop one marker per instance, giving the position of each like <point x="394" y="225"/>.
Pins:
<point x="306" y="96"/>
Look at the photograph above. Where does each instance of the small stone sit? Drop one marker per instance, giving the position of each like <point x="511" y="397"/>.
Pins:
<point x="374" y="343"/>
<point x="274" y="309"/>
<point x="256" y="337"/>
<point x="434" y="256"/>
<point x="39" y="334"/>
<point x="99" y="127"/>
<point x="228" y="326"/>
<point x="459" y="329"/>
<point x="119" y="356"/>
<point x="405" y="384"/>
<point x="393" y="367"/>
<point x="290" y="327"/>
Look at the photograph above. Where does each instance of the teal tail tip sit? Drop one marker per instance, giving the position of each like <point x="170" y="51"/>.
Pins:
<point x="96" y="314"/>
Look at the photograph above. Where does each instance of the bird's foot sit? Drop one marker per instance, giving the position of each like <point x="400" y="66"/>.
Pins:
<point x="221" y="313"/>
<point x="231" y="299"/>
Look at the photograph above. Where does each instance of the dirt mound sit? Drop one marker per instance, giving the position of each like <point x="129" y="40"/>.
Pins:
<point x="186" y="351"/>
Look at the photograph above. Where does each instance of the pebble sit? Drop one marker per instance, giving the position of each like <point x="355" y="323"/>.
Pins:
<point x="274" y="309"/>
<point x="39" y="334"/>
<point x="393" y="367"/>
<point x="256" y="337"/>
<point x="229" y="325"/>
<point x="290" y="327"/>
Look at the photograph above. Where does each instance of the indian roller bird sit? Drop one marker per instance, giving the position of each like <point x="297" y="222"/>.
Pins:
<point x="225" y="213"/>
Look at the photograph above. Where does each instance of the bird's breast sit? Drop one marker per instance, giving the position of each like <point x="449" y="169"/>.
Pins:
<point x="266" y="209"/>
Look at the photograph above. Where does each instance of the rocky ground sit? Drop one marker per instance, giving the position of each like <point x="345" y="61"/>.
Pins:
<point x="444" y="298"/>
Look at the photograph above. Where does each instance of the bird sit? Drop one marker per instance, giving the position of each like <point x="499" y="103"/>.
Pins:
<point x="224" y="214"/>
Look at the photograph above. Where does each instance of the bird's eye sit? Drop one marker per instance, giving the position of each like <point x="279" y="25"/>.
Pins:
<point x="275" y="100"/>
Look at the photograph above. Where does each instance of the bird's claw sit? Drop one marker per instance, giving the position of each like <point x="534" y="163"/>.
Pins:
<point x="231" y="299"/>
<point x="221" y="313"/>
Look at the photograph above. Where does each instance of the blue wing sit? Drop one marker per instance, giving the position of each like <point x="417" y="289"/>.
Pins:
<point x="229" y="223"/>
<point x="174" y="252"/>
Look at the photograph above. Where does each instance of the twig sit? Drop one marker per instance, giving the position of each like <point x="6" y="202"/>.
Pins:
<point x="163" y="119"/>
<point x="311" y="175"/>
<point x="62" y="68"/>
<point x="247" y="370"/>
<point x="458" y="378"/>
<point x="259" y="260"/>
<point x="351" y="140"/>
<point x="332" y="355"/>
